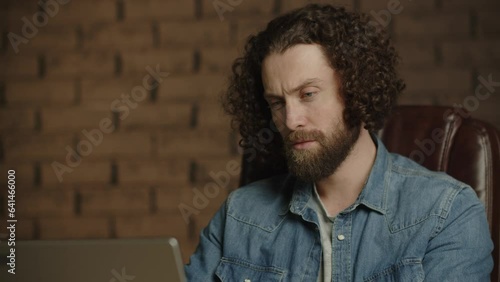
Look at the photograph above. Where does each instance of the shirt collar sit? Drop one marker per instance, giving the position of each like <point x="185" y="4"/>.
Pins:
<point x="373" y="194"/>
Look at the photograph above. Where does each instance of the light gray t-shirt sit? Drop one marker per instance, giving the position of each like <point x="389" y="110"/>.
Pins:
<point x="326" y="230"/>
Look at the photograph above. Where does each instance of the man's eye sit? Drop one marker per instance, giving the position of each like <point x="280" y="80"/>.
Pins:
<point x="276" y="105"/>
<point x="308" y="95"/>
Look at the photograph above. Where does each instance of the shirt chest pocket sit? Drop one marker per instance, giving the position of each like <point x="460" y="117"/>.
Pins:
<point x="236" y="270"/>
<point x="407" y="270"/>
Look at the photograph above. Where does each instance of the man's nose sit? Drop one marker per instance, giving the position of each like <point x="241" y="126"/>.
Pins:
<point x="294" y="116"/>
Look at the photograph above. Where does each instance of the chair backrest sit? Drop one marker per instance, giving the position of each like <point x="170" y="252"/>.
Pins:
<point x="447" y="139"/>
<point x="441" y="139"/>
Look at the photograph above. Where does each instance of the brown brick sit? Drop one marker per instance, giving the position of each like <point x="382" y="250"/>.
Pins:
<point x="3" y="29"/>
<point x="247" y="27"/>
<point x="80" y="64"/>
<point x="488" y="24"/>
<point x="18" y="9"/>
<point x="18" y="66"/>
<point x="25" y="228"/>
<point x="444" y="79"/>
<point x="418" y="98"/>
<point x="118" y="145"/>
<point x="396" y="7"/>
<point x="58" y="38"/>
<point x="115" y="201"/>
<point x="482" y="5"/>
<point x="24" y="173"/>
<point x="5" y="5"/>
<point x="152" y="226"/>
<point x="85" y="173"/>
<point x="288" y="5"/>
<point x="212" y="116"/>
<point x="192" y="87"/>
<point x="74" y="228"/>
<point x="213" y="204"/>
<point x="223" y="171"/>
<point x="223" y="10"/>
<point x="73" y="119"/>
<point x="40" y="92"/>
<point x="436" y="98"/>
<point x="488" y="107"/>
<point x="194" y="34"/>
<point x="16" y="119"/>
<point x="105" y="91"/>
<point x="118" y="36"/>
<point x="159" y="10"/>
<point x="451" y="98"/>
<point x="190" y="144"/>
<point x="87" y="12"/>
<point x="446" y="25"/>
<point x="170" y="61"/>
<point x="416" y="53"/>
<point x="36" y="146"/>
<point x="205" y="201"/>
<point x="464" y="53"/>
<point x="171" y="171"/>
<point x="41" y="203"/>
<point x="494" y="72"/>
<point x="488" y="111"/>
<point x="217" y="60"/>
<point x="159" y="116"/>
<point x="486" y="72"/>
<point x="168" y="198"/>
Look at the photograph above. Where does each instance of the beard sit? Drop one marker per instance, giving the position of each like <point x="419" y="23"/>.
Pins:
<point x="318" y="163"/>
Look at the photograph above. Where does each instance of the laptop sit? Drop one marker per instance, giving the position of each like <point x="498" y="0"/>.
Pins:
<point x="106" y="260"/>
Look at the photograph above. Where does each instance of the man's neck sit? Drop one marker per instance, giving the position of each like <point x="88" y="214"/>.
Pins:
<point x="341" y="189"/>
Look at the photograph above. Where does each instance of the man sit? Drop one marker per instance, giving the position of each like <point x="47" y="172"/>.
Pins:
<point x="347" y="210"/>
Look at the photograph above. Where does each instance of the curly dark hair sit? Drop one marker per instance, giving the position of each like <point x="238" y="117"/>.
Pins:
<point x="360" y="53"/>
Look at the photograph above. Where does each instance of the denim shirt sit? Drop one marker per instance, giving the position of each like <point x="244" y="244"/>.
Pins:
<point x="407" y="224"/>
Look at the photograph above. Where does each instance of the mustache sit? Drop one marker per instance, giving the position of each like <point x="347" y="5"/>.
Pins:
<point x="297" y="136"/>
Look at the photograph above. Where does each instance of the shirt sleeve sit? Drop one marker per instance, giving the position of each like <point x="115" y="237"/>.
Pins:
<point x="206" y="258"/>
<point x="461" y="247"/>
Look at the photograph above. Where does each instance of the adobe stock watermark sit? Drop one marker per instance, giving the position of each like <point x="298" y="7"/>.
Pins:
<point x="94" y="137"/>
<point x="121" y="277"/>
<point x="221" y="179"/>
<point x="470" y="103"/>
<point x="223" y="6"/>
<point x="48" y="9"/>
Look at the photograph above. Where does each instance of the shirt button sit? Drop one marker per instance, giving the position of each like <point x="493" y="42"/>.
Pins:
<point x="341" y="237"/>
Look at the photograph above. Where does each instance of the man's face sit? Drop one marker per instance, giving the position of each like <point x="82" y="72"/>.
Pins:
<point x="302" y="91"/>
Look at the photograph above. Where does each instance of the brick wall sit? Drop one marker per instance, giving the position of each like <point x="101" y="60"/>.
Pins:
<point x="73" y="95"/>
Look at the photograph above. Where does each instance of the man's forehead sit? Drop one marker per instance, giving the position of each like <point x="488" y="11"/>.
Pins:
<point x="299" y="62"/>
<point x="297" y="86"/>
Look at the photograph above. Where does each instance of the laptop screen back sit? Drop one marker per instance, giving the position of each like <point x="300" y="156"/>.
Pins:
<point x="117" y="260"/>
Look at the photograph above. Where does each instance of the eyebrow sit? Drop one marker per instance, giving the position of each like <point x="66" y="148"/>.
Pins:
<point x="307" y="82"/>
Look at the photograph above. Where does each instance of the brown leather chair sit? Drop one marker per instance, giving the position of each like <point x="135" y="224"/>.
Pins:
<point x="469" y="151"/>
<point x="441" y="139"/>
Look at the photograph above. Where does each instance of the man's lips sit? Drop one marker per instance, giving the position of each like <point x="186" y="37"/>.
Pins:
<point x="302" y="144"/>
